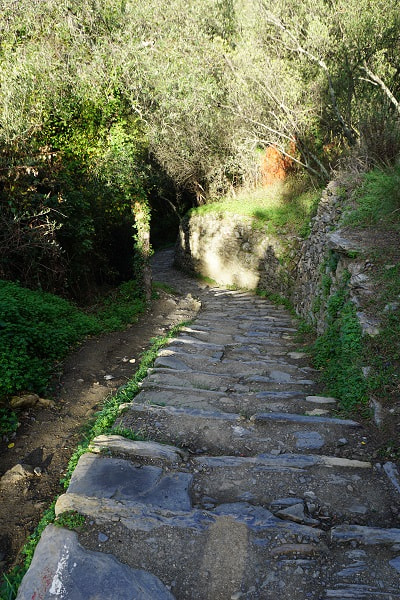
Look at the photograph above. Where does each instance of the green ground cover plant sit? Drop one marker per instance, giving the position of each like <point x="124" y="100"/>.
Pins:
<point x="338" y="352"/>
<point x="38" y="329"/>
<point x="284" y="207"/>
<point x="377" y="200"/>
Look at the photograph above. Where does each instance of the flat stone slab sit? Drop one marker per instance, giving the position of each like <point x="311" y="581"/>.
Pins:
<point x="282" y="417"/>
<point x="121" y="480"/>
<point x="133" y="449"/>
<point x="369" y="536"/>
<point x="62" y="568"/>
<point x="321" y="400"/>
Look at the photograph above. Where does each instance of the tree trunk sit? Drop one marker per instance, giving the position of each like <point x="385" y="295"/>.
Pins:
<point x="141" y="214"/>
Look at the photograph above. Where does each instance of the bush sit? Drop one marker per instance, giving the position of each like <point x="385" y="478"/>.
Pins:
<point x="339" y="352"/>
<point x="36" y="330"/>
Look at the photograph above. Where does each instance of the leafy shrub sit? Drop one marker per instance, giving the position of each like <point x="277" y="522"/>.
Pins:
<point x="339" y="352"/>
<point x="36" y="330"/>
<point x="8" y="421"/>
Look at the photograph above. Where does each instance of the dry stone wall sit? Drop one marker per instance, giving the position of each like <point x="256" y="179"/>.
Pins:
<point x="331" y="257"/>
<point x="232" y="250"/>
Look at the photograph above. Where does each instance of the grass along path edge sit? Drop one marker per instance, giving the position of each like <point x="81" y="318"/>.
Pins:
<point x="103" y="424"/>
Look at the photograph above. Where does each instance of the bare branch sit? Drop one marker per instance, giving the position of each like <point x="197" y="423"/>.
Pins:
<point x="378" y="81"/>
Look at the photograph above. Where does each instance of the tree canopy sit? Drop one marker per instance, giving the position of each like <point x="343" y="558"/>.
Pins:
<point x="110" y="104"/>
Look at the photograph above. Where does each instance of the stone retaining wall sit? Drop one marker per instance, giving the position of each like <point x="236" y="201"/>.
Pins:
<point x="233" y="250"/>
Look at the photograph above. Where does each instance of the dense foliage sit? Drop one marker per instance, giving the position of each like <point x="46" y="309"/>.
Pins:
<point x="37" y="329"/>
<point x="108" y="107"/>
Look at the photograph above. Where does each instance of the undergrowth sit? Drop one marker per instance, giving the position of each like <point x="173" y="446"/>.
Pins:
<point x="377" y="200"/>
<point x="38" y="329"/>
<point x="338" y="352"/>
<point x="103" y="425"/>
<point x="284" y="207"/>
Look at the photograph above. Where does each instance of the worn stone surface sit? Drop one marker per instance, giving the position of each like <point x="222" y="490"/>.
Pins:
<point x="117" y="444"/>
<point x="237" y="493"/>
<point x="16" y="474"/>
<point x="61" y="568"/>
<point x="121" y="480"/>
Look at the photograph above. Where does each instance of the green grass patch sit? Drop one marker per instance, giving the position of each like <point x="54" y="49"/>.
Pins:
<point x="377" y="200"/>
<point x="159" y="285"/>
<point x="70" y="520"/>
<point x="285" y="207"/>
<point x="121" y="307"/>
<point x="277" y="299"/>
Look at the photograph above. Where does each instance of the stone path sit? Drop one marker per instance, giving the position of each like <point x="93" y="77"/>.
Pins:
<point x="247" y="488"/>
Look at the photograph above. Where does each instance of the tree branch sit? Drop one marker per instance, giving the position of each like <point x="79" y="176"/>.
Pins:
<point x="376" y="80"/>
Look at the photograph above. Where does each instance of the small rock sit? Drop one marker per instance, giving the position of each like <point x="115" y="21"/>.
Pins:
<point x="342" y="442"/>
<point x="108" y="377"/>
<point x="395" y="548"/>
<point x="391" y="307"/>
<point x="395" y="563"/>
<point x="358" y="509"/>
<point x="45" y="403"/>
<point x="236" y="596"/>
<point x="317" y="412"/>
<point x="102" y="537"/>
<point x="321" y="399"/>
<point x="37" y="471"/>
<point x="296" y="513"/>
<point x="25" y="401"/>
<point x="18" y="473"/>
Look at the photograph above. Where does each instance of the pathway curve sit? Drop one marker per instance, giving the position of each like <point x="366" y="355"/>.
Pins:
<point x="248" y="488"/>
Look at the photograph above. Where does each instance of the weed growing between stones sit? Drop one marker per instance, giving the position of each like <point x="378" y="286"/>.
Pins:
<point x="159" y="285"/>
<point x="338" y="352"/>
<point x="103" y="424"/>
<point x="70" y="520"/>
<point x="10" y="584"/>
<point x="277" y="299"/>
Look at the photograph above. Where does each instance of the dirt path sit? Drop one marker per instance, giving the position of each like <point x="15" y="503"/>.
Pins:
<point x="47" y="437"/>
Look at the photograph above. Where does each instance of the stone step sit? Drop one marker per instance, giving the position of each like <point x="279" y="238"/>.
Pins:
<point x="183" y="361"/>
<point x="337" y="487"/>
<point x="271" y="360"/>
<point x="246" y="404"/>
<point x="63" y="568"/>
<point x="173" y="561"/>
<point x="218" y="432"/>
<point x="287" y="399"/>
<point x="223" y="390"/>
<point x="186" y="547"/>
<point x="208" y="481"/>
<point x="264" y="389"/>
<point x="266" y="347"/>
